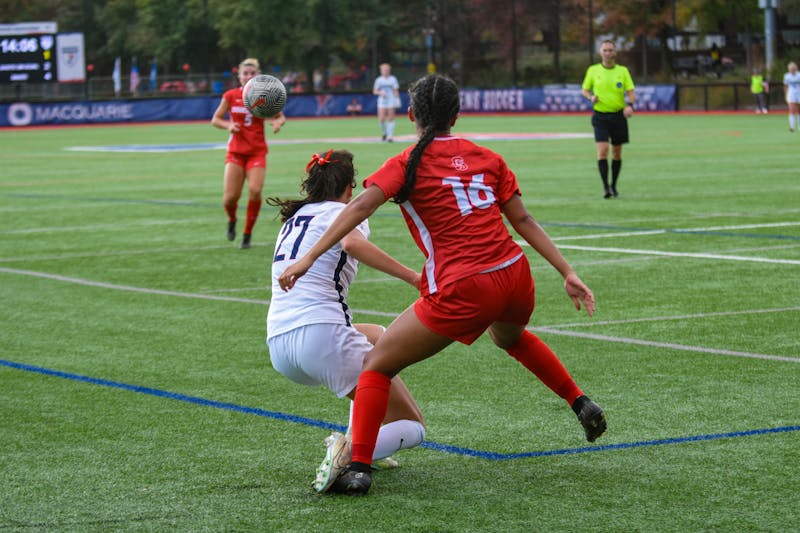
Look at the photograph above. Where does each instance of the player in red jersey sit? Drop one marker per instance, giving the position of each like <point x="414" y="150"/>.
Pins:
<point x="247" y="152"/>
<point x="454" y="195"/>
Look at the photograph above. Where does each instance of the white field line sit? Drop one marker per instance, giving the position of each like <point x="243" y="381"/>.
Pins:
<point x="765" y="248"/>
<point x="667" y="345"/>
<point x="674" y="317"/>
<point x="681" y="254"/>
<point x="610" y="235"/>
<point x="130" y="288"/>
<point x="676" y="230"/>
<point x="743" y="226"/>
<point x="160" y="292"/>
<point x="755" y="215"/>
<point x="542" y="329"/>
<point x="237" y="289"/>
<point x="629" y="259"/>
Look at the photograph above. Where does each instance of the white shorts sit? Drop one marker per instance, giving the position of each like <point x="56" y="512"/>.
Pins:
<point x="388" y="102"/>
<point x="330" y="355"/>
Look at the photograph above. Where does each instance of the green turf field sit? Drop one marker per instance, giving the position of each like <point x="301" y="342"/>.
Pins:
<point x="136" y="391"/>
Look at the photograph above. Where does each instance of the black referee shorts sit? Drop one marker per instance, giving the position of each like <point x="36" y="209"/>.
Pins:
<point x="610" y="127"/>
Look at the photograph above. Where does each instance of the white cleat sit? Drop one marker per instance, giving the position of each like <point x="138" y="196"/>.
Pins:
<point x="337" y="457"/>
<point x="387" y="463"/>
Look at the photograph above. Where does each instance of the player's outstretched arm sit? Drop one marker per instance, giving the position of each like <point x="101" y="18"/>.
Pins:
<point x="371" y="255"/>
<point x="530" y="230"/>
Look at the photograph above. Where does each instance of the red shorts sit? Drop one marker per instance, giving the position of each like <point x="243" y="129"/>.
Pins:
<point x="247" y="161"/>
<point x="464" y="309"/>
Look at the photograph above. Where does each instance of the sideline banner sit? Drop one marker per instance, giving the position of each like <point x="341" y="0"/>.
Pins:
<point x="549" y="99"/>
<point x="557" y="99"/>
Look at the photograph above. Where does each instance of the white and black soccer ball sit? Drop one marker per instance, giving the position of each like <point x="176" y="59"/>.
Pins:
<point x="264" y="96"/>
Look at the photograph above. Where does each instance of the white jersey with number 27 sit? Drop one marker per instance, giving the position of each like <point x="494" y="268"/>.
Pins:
<point x="320" y="296"/>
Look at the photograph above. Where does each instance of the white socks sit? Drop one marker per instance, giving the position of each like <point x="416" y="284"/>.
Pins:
<point x="398" y="435"/>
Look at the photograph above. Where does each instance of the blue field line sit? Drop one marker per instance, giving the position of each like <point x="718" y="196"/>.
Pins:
<point x="446" y="448"/>
<point x="175" y="396"/>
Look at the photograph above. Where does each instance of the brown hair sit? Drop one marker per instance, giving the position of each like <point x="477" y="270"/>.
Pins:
<point x="323" y="181"/>
<point x="436" y="103"/>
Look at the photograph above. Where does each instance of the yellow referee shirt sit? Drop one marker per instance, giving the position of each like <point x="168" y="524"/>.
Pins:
<point x="609" y="85"/>
<point x="757" y="84"/>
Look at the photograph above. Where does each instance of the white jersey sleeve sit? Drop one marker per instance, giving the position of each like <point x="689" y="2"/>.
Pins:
<point x="320" y="296"/>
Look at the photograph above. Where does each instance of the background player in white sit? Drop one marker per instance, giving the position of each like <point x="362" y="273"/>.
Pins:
<point x="310" y="332"/>
<point x="791" y="90"/>
<point x="387" y="89"/>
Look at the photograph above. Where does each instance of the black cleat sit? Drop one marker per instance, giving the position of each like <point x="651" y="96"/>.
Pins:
<point x="245" y="241"/>
<point x="608" y="193"/>
<point x="352" y="482"/>
<point x="231" y="234"/>
<point x="591" y="417"/>
<point x="614" y="191"/>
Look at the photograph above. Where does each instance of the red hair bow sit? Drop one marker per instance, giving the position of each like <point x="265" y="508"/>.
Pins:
<point x="320" y="160"/>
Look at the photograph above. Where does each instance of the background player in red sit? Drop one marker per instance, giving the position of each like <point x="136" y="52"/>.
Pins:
<point x="453" y="195"/>
<point x="247" y="152"/>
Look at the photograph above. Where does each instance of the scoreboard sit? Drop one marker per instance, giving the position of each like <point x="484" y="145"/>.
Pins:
<point x="28" y="58"/>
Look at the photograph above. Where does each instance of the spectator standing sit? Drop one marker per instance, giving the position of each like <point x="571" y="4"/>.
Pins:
<point x="759" y="87"/>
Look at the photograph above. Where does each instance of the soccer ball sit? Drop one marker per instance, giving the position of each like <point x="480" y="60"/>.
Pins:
<point x="264" y="96"/>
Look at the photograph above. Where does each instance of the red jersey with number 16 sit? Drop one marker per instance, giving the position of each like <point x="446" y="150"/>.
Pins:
<point x="453" y="212"/>
<point x="250" y="138"/>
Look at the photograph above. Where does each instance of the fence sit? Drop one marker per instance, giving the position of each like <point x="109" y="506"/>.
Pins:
<point x="102" y="88"/>
<point x="701" y="96"/>
<point x="720" y="96"/>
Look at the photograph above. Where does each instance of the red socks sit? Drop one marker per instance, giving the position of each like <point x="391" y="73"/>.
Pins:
<point x="372" y="392"/>
<point x="369" y="410"/>
<point x="537" y="357"/>
<point x="253" y="208"/>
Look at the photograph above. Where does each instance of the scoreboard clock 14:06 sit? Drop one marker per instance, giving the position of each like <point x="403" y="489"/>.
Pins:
<point x="27" y="58"/>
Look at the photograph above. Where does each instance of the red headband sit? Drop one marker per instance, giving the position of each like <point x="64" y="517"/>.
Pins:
<point x="320" y="160"/>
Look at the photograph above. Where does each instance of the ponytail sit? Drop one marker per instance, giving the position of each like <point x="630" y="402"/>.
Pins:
<point x="436" y="103"/>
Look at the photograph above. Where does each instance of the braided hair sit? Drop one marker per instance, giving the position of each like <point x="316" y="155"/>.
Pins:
<point x="327" y="178"/>
<point x="435" y="102"/>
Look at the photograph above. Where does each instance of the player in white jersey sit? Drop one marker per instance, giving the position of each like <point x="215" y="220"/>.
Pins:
<point x="387" y="89"/>
<point x="791" y="90"/>
<point x="310" y="332"/>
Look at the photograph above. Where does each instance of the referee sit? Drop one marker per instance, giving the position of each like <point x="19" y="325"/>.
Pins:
<point x="607" y="85"/>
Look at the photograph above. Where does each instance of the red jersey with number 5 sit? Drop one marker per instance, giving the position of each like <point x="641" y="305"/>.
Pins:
<point x="250" y="138"/>
<point x="453" y="212"/>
